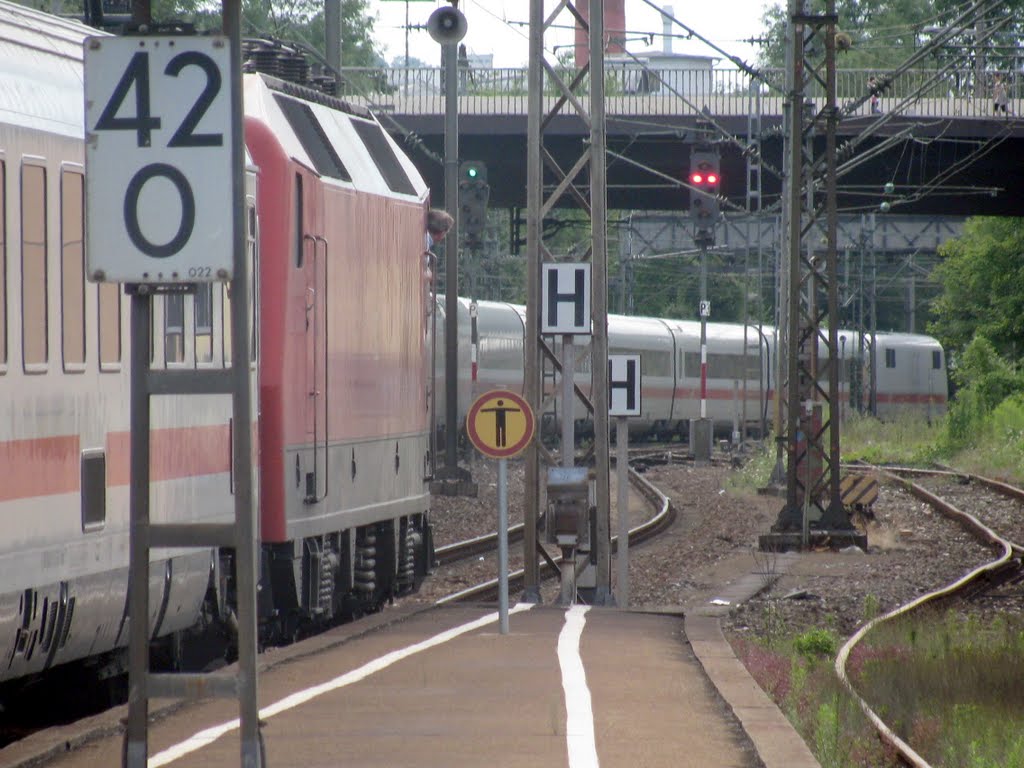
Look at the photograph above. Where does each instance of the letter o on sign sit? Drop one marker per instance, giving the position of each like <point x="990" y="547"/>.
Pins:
<point x="131" y="210"/>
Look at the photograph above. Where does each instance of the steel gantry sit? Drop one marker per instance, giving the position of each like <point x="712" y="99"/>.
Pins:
<point x="585" y="183"/>
<point x="811" y="300"/>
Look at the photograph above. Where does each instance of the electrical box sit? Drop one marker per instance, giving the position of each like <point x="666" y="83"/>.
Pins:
<point x="567" y="519"/>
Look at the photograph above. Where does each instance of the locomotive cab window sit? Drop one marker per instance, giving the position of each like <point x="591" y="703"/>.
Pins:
<point x="383" y="156"/>
<point x="34" y="309"/>
<point x="890" y="358"/>
<point x="937" y="359"/>
<point x="72" y="269"/>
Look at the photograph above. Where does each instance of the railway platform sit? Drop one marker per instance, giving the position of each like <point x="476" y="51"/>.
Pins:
<point x="431" y="687"/>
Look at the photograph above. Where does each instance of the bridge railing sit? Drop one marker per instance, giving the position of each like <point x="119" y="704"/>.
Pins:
<point x="632" y="91"/>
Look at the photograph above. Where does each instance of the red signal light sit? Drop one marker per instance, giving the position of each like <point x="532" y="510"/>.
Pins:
<point x="696" y="178"/>
<point x="712" y="178"/>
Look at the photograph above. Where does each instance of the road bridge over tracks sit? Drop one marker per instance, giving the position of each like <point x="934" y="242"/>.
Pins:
<point x="936" y="140"/>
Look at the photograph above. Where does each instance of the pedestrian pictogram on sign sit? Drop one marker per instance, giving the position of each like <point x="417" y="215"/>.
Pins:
<point x="500" y="424"/>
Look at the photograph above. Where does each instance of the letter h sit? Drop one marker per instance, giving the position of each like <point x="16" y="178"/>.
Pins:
<point x="576" y="297"/>
<point x="629" y="384"/>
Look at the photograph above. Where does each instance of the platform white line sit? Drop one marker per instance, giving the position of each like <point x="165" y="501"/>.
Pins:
<point x="579" y="720"/>
<point x="209" y="735"/>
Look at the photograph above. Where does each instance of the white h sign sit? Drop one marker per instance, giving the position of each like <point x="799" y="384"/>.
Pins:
<point x="565" y="298"/>
<point x="624" y="385"/>
<point x="159" y="192"/>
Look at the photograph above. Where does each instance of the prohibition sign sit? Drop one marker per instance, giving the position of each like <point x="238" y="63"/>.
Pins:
<point x="500" y="424"/>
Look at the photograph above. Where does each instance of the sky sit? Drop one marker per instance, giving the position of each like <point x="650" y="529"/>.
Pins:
<point x="493" y="28"/>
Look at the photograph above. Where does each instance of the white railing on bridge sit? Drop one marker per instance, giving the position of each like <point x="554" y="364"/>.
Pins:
<point x="634" y="92"/>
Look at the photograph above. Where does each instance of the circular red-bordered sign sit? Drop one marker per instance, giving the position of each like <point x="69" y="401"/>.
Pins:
<point x="500" y="424"/>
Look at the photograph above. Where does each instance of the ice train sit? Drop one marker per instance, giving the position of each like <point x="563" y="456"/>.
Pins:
<point x="910" y="369"/>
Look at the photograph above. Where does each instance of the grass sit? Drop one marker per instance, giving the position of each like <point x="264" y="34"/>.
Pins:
<point x="798" y="675"/>
<point x="951" y="686"/>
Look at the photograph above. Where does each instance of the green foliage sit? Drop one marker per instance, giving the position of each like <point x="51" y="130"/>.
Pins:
<point x="982" y="277"/>
<point x="985" y="380"/>
<point x="670" y="287"/>
<point x="971" y="718"/>
<point x="885" y="33"/>
<point x="816" y="642"/>
<point x="827" y="734"/>
<point x="300" y="21"/>
<point x="908" y="439"/>
<point x="871" y="607"/>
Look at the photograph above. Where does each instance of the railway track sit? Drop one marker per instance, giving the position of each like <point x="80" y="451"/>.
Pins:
<point x="996" y="518"/>
<point x="663" y="517"/>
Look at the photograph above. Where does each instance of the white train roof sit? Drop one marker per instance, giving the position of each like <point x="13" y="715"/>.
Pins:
<point x="344" y="144"/>
<point x="41" y="70"/>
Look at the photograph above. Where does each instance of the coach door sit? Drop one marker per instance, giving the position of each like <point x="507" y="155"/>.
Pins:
<point x="315" y="269"/>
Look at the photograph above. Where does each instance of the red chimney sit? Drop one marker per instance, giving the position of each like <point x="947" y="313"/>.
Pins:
<point x="614" y="29"/>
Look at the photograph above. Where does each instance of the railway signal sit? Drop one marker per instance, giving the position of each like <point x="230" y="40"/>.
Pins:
<point x="474" y="193"/>
<point x="705" y="178"/>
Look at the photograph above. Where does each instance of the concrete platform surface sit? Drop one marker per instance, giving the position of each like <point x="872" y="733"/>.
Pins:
<point x="578" y="687"/>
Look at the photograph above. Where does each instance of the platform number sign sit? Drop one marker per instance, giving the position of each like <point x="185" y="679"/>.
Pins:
<point x="159" y="190"/>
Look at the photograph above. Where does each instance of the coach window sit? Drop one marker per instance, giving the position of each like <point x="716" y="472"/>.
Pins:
<point x="110" y="326"/>
<point x="72" y="270"/>
<point x="3" y="267"/>
<point x="204" y="322"/>
<point x="890" y="358"/>
<point x="174" y="328"/>
<point x="33" y="267"/>
<point x="936" y="359"/>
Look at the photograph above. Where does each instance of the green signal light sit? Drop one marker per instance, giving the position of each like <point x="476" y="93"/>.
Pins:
<point x="472" y="173"/>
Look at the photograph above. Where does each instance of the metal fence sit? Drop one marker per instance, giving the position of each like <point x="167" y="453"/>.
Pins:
<point x="636" y="91"/>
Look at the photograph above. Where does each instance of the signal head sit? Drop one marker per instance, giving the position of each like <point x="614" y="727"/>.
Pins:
<point x="473" y="171"/>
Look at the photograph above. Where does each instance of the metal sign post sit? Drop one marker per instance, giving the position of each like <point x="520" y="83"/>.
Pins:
<point x="500" y="424"/>
<point x="165" y="159"/>
<point x="566" y="310"/>
<point x="624" y="387"/>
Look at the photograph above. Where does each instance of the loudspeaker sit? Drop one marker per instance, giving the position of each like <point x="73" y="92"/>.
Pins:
<point x="447" y="25"/>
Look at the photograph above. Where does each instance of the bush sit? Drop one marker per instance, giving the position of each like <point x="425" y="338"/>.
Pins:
<point x="816" y="642"/>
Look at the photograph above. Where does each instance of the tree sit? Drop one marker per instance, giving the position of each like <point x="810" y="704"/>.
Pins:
<point x="886" y="32"/>
<point x="300" y="21"/>
<point x="982" y="278"/>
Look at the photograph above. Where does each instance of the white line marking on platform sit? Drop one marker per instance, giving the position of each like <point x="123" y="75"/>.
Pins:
<point x="579" y="721"/>
<point x="209" y="735"/>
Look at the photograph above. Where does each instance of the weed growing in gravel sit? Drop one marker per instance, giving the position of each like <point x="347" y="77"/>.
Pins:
<point x="871" y="607"/>
<point x="756" y="470"/>
<point x="948" y="684"/>
<point x="816" y="642"/>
